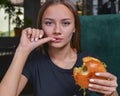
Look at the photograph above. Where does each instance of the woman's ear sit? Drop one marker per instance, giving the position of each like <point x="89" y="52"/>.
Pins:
<point x="73" y="30"/>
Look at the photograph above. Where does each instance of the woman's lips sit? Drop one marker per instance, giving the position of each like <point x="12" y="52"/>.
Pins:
<point x="57" y="40"/>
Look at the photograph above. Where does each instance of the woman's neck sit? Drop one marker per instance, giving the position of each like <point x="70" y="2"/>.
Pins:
<point x="61" y="53"/>
<point x="64" y="57"/>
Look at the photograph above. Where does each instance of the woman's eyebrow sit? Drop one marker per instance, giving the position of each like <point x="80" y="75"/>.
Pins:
<point x="53" y="19"/>
<point x="48" y="19"/>
<point x="66" y="19"/>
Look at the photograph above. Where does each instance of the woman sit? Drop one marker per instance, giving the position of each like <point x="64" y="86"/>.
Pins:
<point x="50" y="69"/>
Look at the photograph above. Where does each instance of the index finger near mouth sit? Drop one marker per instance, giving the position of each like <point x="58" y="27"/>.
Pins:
<point x="45" y="40"/>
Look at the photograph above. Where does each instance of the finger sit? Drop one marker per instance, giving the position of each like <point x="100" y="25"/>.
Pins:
<point x="28" y="32"/>
<point x="106" y="75"/>
<point x="110" y="81"/>
<point x="100" y="87"/>
<point x="37" y="35"/>
<point x="25" y="31"/>
<point x="41" y="34"/>
<point x="45" y="40"/>
<point x="104" y="82"/>
<point x="33" y="34"/>
<point x="101" y="91"/>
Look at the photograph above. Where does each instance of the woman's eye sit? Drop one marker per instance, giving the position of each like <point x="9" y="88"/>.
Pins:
<point x="48" y="23"/>
<point x="66" y="23"/>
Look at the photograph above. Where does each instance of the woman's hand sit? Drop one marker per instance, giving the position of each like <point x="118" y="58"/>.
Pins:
<point x="106" y="87"/>
<point x="32" y="38"/>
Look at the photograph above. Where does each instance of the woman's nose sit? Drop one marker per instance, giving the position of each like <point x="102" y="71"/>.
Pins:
<point x="57" y="29"/>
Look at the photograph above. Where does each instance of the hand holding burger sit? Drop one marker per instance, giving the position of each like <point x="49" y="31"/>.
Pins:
<point x="90" y="66"/>
<point x="86" y="77"/>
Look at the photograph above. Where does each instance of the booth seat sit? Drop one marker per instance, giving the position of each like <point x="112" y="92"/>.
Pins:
<point x="100" y="35"/>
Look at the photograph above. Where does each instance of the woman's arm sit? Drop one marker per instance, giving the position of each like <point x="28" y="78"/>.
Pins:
<point x="22" y="84"/>
<point x="12" y="81"/>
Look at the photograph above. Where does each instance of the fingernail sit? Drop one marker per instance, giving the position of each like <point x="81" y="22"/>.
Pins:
<point x="36" y="39"/>
<point x="90" y="85"/>
<point x="53" y="39"/>
<point x="97" y="74"/>
<point x="91" y="80"/>
<point x="40" y="36"/>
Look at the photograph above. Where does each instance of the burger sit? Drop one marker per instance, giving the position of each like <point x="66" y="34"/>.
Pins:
<point x="88" y="69"/>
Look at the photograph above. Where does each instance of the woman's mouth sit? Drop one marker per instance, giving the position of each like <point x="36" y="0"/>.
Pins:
<point x="58" y="40"/>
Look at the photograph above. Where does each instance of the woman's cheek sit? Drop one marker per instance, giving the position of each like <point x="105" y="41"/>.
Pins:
<point x="47" y="31"/>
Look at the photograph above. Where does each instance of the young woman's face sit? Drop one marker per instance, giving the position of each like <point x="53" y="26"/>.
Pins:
<point x="58" y="22"/>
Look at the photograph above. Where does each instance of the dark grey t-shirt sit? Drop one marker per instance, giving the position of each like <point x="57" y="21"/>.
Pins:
<point x="50" y="80"/>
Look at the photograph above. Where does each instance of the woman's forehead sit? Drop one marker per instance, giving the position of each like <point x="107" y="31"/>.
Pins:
<point x="58" y="10"/>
